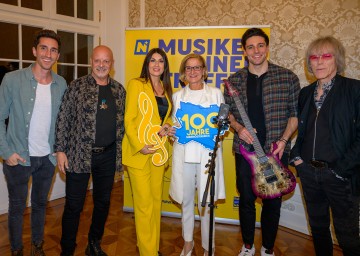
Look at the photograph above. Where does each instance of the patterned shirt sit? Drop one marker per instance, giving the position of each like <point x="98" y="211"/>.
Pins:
<point x="326" y="89"/>
<point x="76" y="122"/>
<point x="281" y="89"/>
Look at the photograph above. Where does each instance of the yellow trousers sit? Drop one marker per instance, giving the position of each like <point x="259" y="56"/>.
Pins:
<point x="147" y="186"/>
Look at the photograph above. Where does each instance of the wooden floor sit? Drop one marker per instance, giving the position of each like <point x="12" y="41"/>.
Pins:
<point x="120" y="237"/>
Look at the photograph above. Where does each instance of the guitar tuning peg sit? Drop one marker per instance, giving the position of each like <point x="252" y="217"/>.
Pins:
<point x="207" y="165"/>
<point x="210" y="153"/>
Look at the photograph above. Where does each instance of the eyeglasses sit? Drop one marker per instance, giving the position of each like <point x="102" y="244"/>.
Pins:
<point x="195" y="68"/>
<point x="325" y="56"/>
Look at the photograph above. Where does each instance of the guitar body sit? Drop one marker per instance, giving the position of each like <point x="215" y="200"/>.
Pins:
<point x="270" y="179"/>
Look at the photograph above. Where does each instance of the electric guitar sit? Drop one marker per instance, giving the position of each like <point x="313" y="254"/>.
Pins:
<point x="270" y="179"/>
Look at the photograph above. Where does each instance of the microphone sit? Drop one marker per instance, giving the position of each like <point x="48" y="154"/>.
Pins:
<point x="223" y="113"/>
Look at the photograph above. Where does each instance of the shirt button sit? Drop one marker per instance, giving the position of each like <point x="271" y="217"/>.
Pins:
<point x="28" y="113"/>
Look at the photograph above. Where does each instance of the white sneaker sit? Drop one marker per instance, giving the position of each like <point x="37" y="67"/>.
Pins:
<point x="247" y="252"/>
<point x="264" y="253"/>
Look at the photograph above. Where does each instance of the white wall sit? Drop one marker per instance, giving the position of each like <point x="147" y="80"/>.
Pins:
<point x="115" y="20"/>
<point x="293" y="214"/>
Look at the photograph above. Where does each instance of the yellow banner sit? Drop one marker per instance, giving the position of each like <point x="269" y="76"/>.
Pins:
<point x="221" y="47"/>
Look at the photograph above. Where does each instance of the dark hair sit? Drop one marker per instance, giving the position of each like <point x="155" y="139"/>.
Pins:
<point x="254" y="32"/>
<point x="165" y="76"/>
<point x="49" y="34"/>
<point x="329" y="43"/>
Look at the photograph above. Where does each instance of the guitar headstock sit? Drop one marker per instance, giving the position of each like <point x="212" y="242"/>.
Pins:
<point x="230" y="89"/>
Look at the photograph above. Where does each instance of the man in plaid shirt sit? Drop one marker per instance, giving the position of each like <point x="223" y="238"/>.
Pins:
<point x="269" y="94"/>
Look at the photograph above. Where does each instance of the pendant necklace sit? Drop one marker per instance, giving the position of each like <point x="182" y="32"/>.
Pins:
<point x="103" y="104"/>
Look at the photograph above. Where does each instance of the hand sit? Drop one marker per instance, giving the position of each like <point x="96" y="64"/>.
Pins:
<point x="245" y="135"/>
<point x="62" y="162"/>
<point x="14" y="160"/>
<point x="166" y="130"/>
<point x="171" y="131"/>
<point x="280" y="148"/>
<point x="241" y="131"/>
<point x="298" y="162"/>
<point x="147" y="149"/>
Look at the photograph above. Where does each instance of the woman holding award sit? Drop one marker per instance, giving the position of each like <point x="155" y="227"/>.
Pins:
<point x="145" y="145"/>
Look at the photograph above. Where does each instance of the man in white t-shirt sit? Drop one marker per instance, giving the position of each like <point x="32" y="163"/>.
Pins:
<point x="30" y="98"/>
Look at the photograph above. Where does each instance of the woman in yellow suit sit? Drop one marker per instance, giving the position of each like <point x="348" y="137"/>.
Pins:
<point x="145" y="145"/>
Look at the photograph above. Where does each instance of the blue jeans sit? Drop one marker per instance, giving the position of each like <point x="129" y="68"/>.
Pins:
<point x="324" y="191"/>
<point x="41" y="170"/>
<point x="103" y="167"/>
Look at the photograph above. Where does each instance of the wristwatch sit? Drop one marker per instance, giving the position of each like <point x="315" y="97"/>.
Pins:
<point x="295" y="159"/>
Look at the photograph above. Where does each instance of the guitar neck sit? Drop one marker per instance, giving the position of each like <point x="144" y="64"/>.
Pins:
<point x="257" y="146"/>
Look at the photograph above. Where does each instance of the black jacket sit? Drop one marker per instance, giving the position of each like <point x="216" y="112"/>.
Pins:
<point x="344" y="120"/>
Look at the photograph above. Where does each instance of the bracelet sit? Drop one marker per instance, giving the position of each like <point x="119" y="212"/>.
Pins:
<point x="295" y="159"/>
<point x="337" y="175"/>
<point x="284" y="140"/>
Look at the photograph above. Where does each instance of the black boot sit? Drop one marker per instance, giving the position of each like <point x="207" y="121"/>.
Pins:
<point x="19" y="252"/>
<point x="94" y="249"/>
<point x="37" y="249"/>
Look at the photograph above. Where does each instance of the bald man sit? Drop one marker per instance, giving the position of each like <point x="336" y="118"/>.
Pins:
<point x="89" y="132"/>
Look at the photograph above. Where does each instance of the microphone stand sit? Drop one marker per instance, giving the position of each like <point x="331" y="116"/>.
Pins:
<point x="211" y="181"/>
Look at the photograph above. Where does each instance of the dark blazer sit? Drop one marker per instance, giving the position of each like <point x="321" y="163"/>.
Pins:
<point x="344" y="125"/>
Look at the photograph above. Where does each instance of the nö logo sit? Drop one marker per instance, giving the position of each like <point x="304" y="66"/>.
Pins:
<point x="141" y="47"/>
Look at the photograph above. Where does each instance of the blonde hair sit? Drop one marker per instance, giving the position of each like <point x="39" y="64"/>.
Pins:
<point x="327" y="42"/>
<point x="183" y="63"/>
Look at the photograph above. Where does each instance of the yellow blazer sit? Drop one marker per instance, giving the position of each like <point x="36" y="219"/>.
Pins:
<point x="135" y="119"/>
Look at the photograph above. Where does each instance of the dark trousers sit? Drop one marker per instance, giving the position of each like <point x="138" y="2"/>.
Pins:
<point x="102" y="170"/>
<point x="324" y="191"/>
<point x="270" y="213"/>
<point x="41" y="170"/>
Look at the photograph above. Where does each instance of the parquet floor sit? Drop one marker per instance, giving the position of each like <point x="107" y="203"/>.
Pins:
<point x="120" y="236"/>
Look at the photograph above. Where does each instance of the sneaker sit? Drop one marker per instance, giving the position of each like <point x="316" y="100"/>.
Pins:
<point x="37" y="249"/>
<point x="247" y="250"/>
<point x="267" y="252"/>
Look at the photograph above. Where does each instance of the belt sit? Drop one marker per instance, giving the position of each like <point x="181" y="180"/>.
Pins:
<point x="98" y="150"/>
<point x="320" y="164"/>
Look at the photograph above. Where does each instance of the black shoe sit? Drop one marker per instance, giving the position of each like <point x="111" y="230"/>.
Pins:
<point x="37" y="249"/>
<point x="19" y="252"/>
<point x="66" y="254"/>
<point x="159" y="254"/>
<point x="94" y="249"/>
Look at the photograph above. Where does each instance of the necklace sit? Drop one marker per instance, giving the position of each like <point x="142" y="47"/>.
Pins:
<point x="158" y="92"/>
